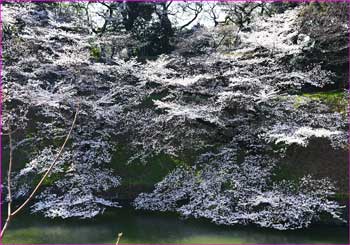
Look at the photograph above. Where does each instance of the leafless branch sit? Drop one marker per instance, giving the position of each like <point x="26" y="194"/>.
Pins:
<point x="118" y="238"/>
<point x="197" y="10"/>
<point x="10" y="214"/>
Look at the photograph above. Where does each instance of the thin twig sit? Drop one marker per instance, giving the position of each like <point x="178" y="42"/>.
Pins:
<point x="9" y="195"/>
<point x="118" y="238"/>
<point x="11" y="215"/>
<point x="50" y="168"/>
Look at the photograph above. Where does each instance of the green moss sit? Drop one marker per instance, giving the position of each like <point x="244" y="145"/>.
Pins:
<point x="95" y="52"/>
<point x="300" y="100"/>
<point x="336" y="100"/>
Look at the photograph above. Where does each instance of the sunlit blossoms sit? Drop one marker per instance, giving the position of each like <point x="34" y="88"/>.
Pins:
<point x="227" y="191"/>
<point x="228" y="115"/>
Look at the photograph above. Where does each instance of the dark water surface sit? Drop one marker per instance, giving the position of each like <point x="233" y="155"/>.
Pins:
<point x="153" y="227"/>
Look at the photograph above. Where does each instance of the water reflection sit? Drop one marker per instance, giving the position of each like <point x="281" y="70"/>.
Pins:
<point x="151" y="227"/>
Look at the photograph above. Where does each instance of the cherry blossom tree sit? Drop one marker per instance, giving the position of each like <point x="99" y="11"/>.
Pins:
<point x="229" y="116"/>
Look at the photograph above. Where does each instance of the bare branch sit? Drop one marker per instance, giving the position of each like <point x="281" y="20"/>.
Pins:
<point x="12" y="215"/>
<point x="9" y="194"/>
<point x="168" y="5"/>
<point x="50" y="168"/>
<point x="197" y="10"/>
<point x="118" y="238"/>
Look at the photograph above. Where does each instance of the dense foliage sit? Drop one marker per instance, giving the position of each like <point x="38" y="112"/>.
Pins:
<point x="233" y="107"/>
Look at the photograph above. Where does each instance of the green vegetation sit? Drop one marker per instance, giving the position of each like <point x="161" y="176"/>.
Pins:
<point x="226" y="110"/>
<point x="49" y="180"/>
<point x="300" y="100"/>
<point x="138" y="176"/>
<point x="95" y="52"/>
<point x="341" y="197"/>
<point x="336" y="100"/>
<point x="287" y="172"/>
<point x="293" y="174"/>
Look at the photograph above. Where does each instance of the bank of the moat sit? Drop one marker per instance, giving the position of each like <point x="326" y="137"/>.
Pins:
<point x="155" y="227"/>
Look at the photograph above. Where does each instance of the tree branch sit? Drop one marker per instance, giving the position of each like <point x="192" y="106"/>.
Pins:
<point x="9" y="195"/>
<point x="10" y="215"/>
<point x="197" y="11"/>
